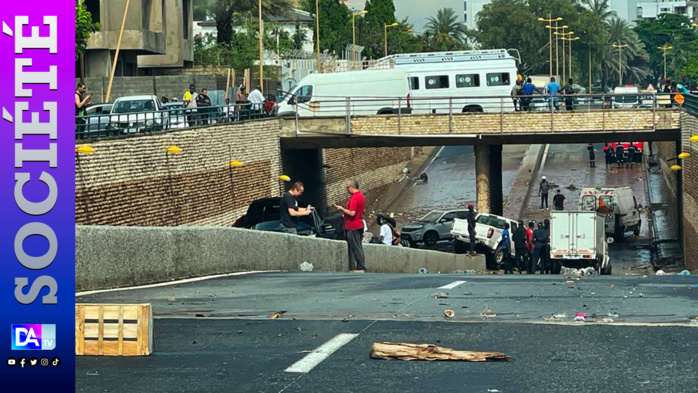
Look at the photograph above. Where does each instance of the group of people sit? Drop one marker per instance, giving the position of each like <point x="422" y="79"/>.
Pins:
<point x="531" y="247"/>
<point x="620" y="155"/>
<point x="254" y="101"/>
<point x="353" y="213"/>
<point x="522" y="94"/>
<point x="559" y="200"/>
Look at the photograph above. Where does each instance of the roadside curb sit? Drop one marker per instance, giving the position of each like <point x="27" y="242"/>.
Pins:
<point x="427" y="161"/>
<point x="525" y="178"/>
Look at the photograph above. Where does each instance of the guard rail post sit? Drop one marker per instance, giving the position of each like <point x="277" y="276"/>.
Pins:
<point x="347" y="121"/>
<point x="296" y="105"/>
<point x="603" y="112"/>
<point x="399" y="115"/>
<point x="501" y="115"/>
<point x="450" y="115"/>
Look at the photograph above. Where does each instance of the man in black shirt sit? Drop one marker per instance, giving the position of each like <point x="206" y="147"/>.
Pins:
<point x="520" y="243"/>
<point x="470" y="217"/>
<point x="540" y="241"/>
<point x="559" y="201"/>
<point x="289" y="210"/>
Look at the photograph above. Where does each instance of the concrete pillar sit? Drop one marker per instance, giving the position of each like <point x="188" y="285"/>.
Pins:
<point x="306" y="166"/>
<point x="482" y="178"/>
<point x="496" y="194"/>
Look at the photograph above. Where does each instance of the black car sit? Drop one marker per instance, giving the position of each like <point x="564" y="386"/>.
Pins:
<point x="263" y="215"/>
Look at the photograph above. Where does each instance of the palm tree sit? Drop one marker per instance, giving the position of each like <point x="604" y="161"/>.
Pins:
<point x="634" y="57"/>
<point x="222" y="12"/>
<point x="447" y="24"/>
<point x="600" y="8"/>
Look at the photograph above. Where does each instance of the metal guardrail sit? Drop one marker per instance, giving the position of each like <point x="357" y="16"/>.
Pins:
<point x="691" y="103"/>
<point x="104" y="125"/>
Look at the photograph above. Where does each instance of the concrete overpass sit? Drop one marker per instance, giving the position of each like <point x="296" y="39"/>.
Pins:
<point x="487" y="132"/>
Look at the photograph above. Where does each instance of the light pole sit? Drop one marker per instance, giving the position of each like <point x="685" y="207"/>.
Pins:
<point x="564" y="35"/>
<point x="550" y="38"/>
<point x="570" y="39"/>
<point x="317" y="36"/>
<point x="557" y="57"/>
<point x="261" y="51"/>
<point x="590" y="68"/>
<point x="353" y="31"/>
<point x="665" y="48"/>
<point x="620" y="59"/>
<point x="385" y="36"/>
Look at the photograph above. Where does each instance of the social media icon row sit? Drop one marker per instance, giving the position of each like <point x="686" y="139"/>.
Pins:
<point x="33" y="362"/>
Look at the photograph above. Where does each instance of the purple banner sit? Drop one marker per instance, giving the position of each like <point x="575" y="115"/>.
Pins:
<point x="37" y="195"/>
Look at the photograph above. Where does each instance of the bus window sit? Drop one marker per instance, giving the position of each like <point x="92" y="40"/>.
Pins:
<point x="468" y="80"/>
<point x="498" y="79"/>
<point x="414" y="83"/>
<point x="436" y="82"/>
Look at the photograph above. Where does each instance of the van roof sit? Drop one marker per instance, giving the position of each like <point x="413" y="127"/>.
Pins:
<point x="605" y="188"/>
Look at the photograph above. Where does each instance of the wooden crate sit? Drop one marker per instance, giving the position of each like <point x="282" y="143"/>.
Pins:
<point x="113" y="329"/>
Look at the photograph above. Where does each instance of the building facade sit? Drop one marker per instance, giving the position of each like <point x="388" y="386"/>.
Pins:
<point x="157" y="34"/>
<point x="652" y="9"/>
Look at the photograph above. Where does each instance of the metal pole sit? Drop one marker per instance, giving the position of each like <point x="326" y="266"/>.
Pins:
<point x="664" y="63"/>
<point x="620" y="67"/>
<point x="570" y="74"/>
<point x="557" y="58"/>
<point x="399" y="115"/>
<point x="564" y="67"/>
<point x="353" y="38"/>
<point x="317" y="35"/>
<point x="589" y="68"/>
<point x="118" y="47"/>
<point x="385" y="39"/>
<point x="550" y="44"/>
<point x="450" y="114"/>
<point x="261" y="51"/>
<point x="348" y="118"/>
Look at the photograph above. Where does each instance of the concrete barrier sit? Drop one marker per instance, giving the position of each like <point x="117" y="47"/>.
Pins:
<point x="112" y="257"/>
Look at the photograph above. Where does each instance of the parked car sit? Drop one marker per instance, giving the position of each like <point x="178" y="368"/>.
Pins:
<point x="138" y="114"/>
<point x="97" y="119"/>
<point x="488" y="237"/>
<point x="263" y="215"/>
<point x="431" y="228"/>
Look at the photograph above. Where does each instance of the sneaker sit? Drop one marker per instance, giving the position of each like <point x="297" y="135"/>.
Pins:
<point x="358" y="271"/>
<point x="473" y="254"/>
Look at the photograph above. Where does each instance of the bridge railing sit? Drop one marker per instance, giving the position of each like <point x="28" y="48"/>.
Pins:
<point x="404" y="107"/>
<point x="104" y="125"/>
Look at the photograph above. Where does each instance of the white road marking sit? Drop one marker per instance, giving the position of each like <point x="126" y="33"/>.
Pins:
<point x="452" y="285"/>
<point x="545" y="157"/>
<point x="435" y="157"/>
<point x="321" y="353"/>
<point x="164" y="284"/>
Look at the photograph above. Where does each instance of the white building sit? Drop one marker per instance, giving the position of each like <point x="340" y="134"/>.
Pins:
<point x="470" y="10"/>
<point x="652" y="9"/>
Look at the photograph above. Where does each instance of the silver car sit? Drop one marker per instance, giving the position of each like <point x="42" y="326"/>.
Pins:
<point x="433" y="227"/>
<point x="138" y="114"/>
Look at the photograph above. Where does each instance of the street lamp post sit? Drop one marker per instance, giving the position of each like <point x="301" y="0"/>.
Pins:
<point x="261" y="51"/>
<point x="557" y="57"/>
<point x="665" y="48"/>
<point x="570" y="39"/>
<point x="385" y="36"/>
<point x="353" y="31"/>
<point x="564" y="35"/>
<point x="317" y="35"/>
<point x="620" y="64"/>
<point x="550" y="37"/>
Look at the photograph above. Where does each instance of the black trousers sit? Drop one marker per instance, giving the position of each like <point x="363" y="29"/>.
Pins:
<point x="547" y="263"/>
<point x="538" y="253"/>
<point x="507" y="261"/>
<point x="544" y="199"/>
<point x="356" y="251"/>
<point x="521" y="256"/>
<point x="472" y="242"/>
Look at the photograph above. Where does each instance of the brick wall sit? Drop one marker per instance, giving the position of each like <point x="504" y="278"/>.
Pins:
<point x="373" y="168"/>
<point x="134" y="182"/>
<point x="168" y="86"/>
<point x="689" y="127"/>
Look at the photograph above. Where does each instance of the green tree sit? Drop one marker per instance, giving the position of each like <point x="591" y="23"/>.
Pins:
<point x="668" y="29"/>
<point x="446" y="24"/>
<point x="224" y="11"/>
<point x="601" y="9"/>
<point x="84" y="26"/>
<point x="335" y="24"/>
<point x="380" y="13"/>
<point x="634" y="57"/>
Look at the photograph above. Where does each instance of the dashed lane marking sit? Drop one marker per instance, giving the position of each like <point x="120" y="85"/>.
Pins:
<point x="321" y="353"/>
<point x="452" y="285"/>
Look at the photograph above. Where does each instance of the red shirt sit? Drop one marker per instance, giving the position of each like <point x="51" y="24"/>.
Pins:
<point x="529" y="234"/>
<point x="356" y="203"/>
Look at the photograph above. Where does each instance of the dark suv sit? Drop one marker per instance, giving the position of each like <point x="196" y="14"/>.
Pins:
<point x="263" y="215"/>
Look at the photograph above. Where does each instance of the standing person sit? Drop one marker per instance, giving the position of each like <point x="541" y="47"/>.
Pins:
<point x="241" y="99"/>
<point x="256" y="98"/>
<point x="568" y="91"/>
<point x="559" y="201"/>
<point x="203" y="103"/>
<point x="543" y="190"/>
<point x="540" y="240"/>
<point x="592" y="155"/>
<point x="553" y="88"/>
<point x="506" y="249"/>
<point x="529" y="237"/>
<point x="632" y="154"/>
<point x="546" y="251"/>
<point x="608" y="155"/>
<point x="516" y="95"/>
<point x="353" y="226"/>
<point x="269" y="105"/>
<point x="386" y="232"/>
<point x="81" y="103"/>
<point x="520" y="247"/>
<point x="289" y="210"/>
<point x="189" y="101"/>
<point x="527" y="90"/>
<point x="620" y="152"/>
<point x="470" y="217"/>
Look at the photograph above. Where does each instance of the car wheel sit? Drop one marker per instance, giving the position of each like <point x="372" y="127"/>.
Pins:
<point x="460" y="247"/>
<point x="499" y="258"/>
<point x="412" y="244"/>
<point x="607" y="270"/>
<point x="430" y="238"/>
<point x="405" y="243"/>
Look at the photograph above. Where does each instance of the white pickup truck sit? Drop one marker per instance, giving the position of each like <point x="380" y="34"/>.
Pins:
<point x="488" y="236"/>
<point x="578" y="239"/>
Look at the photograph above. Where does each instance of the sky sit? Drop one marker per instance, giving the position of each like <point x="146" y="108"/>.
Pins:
<point x="417" y="10"/>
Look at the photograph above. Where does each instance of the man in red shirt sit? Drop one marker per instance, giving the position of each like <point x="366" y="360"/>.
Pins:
<point x="354" y="226"/>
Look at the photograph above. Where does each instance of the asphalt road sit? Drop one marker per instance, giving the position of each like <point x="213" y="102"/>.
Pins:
<point x="651" y="346"/>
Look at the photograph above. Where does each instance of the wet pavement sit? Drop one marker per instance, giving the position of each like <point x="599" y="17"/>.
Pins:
<point x="215" y="335"/>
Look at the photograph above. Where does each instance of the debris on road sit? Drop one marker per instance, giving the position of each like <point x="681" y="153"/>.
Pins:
<point x="306" y="351"/>
<point x="171" y="299"/>
<point x="587" y="271"/>
<point x="306" y="267"/>
<point x="660" y="272"/>
<point x="422" y="271"/>
<point x="606" y="320"/>
<point x="277" y="315"/>
<point x="608" y="314"/>
<point x="556" y="317"/>
<point x="449" y="313"/>
<point x="440" y="295"/>
<point x="683" y="273"/>
<point x="487" y="312"/>
<point x="347" y="318"/>
<point x="580" y="317"/>
<point x="406" y="351"/>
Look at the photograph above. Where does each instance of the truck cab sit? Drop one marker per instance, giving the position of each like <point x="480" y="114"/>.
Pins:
<point x="488" y="237"/>
<point x="617" y="205"/>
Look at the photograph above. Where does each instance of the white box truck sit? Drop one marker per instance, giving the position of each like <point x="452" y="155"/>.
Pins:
<point x="578" y="240"/>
